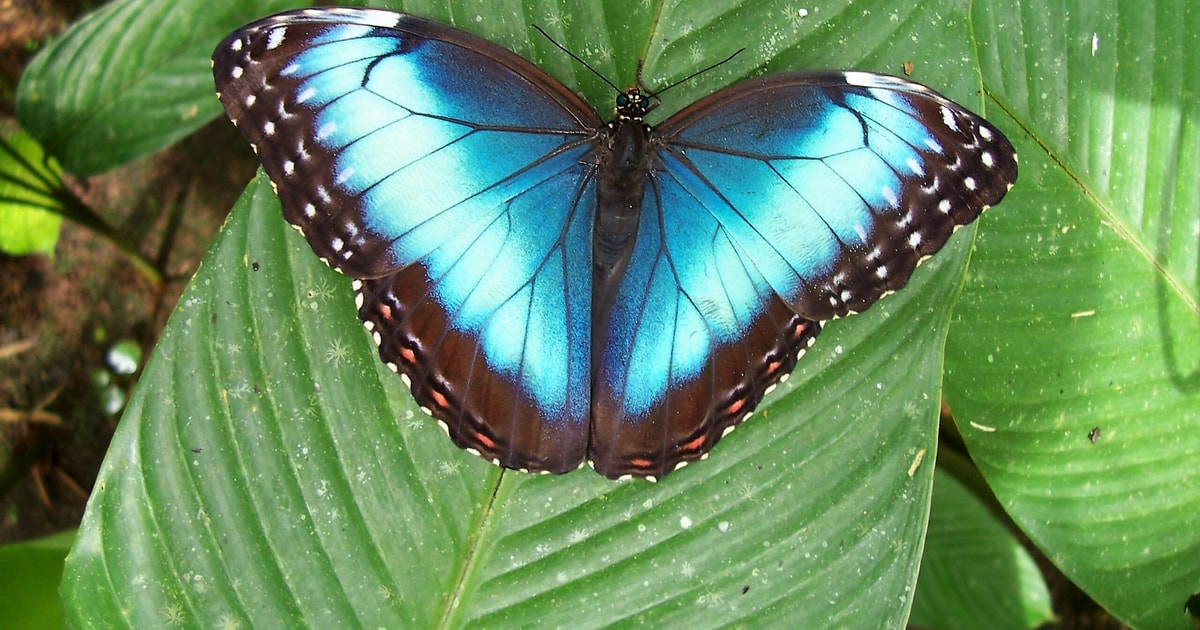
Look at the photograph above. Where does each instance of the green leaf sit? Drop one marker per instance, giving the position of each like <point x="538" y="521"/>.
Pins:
<point x="1103" y="333"/>
<point x="128" y="79"/>
<point x="270" y="471"/>
<point x="31" y="194"/>
<point x="29" y="577"/>
<point x="975" y="573"/>
<point x="269" y="467"/>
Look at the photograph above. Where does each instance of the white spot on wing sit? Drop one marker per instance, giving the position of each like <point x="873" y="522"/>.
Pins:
<point x="862" y="231"/>
<point x="275" y="38"/>
<point x="948" y="118"/>
<point x="861" y="79"/>
<point x="890" y="197"/>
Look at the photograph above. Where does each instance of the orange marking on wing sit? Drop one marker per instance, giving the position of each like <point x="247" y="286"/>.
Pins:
<point x="696" y="444"/>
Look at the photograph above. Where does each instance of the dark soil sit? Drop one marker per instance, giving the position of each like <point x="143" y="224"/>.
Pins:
<point x="60" y="316"/>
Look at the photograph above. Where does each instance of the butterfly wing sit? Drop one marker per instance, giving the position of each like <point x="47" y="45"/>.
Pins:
<point x="696" y="338"/>
<point x="452" y="180"/>
<point x="774" y="205"/>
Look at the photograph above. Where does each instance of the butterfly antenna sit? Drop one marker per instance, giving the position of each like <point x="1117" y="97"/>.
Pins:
<point x="577" y="58"/>
<point x="698" y="72"/>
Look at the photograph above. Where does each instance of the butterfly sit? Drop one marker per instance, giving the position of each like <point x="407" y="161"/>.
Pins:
<point x="558" y="289"/>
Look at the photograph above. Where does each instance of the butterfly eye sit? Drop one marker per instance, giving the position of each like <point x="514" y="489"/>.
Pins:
<point x="632" y="104"/>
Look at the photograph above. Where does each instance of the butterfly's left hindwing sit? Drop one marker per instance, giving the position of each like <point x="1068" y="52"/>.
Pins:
<point x="696" y="338"/>
<point x="453" y="180"/>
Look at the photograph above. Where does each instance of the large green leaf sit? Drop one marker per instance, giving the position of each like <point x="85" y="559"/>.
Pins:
<point x="269" y="471"/>
<point x="128" y="79"/>
<point x="975" y="573"/>
<point x="32" y="196"/>
<point x="29" y="577"/>
<point x="1077" y="388"/>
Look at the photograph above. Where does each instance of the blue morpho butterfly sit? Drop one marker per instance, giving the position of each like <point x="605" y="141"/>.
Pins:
<point x="556" y="289"/>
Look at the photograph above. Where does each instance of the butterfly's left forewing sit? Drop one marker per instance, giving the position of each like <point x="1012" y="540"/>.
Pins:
<point x="454" y="181"/>
<point x="838" y="183"/>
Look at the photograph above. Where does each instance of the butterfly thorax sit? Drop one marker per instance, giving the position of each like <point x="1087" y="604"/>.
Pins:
<point x="622" y="170"/>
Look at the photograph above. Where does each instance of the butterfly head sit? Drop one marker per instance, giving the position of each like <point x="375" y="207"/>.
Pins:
<point x="632" y="104"/>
